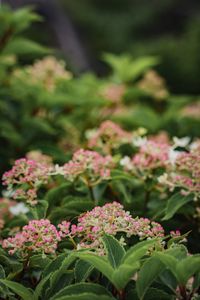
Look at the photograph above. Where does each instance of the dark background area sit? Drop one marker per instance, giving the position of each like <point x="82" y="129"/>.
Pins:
<point x="82" y="30"/>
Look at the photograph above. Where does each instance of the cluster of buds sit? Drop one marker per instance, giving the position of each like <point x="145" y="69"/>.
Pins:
<point x="184" y="174"/>
<point x="46" y="72"/>
<point x="39" y="236"/>
<point x="154" y="85"/>
<point x="109" y="136"/>
<point x="152" y="155"/>
<point x="109" y="219"/>
<point x="89" y="166"/>
<point x="24" y="179"/>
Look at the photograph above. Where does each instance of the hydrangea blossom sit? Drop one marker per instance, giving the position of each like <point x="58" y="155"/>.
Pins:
<point x="109" y="136"/>
<point x="90" y="166"/>
<point x="25" y="177"/>
<point x="151" y="156"/>
<point x="45" y="72"/>
<point x="39" y="236"/>
<point x="184" y="174"/>
<point x="111" y="219"/>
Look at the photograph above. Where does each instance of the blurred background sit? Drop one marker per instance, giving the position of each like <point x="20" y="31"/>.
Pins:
<point x="82" y="30"/>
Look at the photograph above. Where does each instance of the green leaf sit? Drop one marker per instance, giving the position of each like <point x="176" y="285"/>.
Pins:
<point x="118" y="175"/>
<point x="20" y="46"/>
<point x="60" y="276"/>
<point x="115" y="251"/>
<point x="178" y="251"/>
<point x="82" y="270"/>
<point x="147" y="274"/>
<point x="99" y="262"/>
<point x="85" y="296"/>
<point x="168" y="260"/>
<point x="157" y="294"/>
<point x="126" y="69"/>
<point x="2" y="272"/>
<point x="130" y="263"/>
<point x="80" y="288"/>
<point x="41" y="209"/>
<point x="19" y="289"/>
<point x="174" y="203"/>
<point x="169" y="280"/>
<point x="187" y="267"/>
<point x="38" y="261"/>
<point x="196" y="282"/>
<point x="47" y="273"/>
<point x="54" y="195"/>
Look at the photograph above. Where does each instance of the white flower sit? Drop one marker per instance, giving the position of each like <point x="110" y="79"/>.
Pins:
<point x="163" y="178"/>
<point x="90" y="133"/>
<point x="126" y="162"/>
<point x="194" y="145"/>
<point x="181" y="142"/>
<point x="173" y="154"/>
<point x="57" y="170"/>
<point x="139" y="141"/>
<point x="18" y="209"/>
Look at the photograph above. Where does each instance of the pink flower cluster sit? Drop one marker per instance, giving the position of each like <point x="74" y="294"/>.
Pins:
<point x="151" y="156"/>
<point x="39" y="236"/>
<point x="90" y="166"/>
<point x="25" y="177"/>
<point x="111" y="219"/>
<point x="185" y="174"/>
<point x="109" y="136"/>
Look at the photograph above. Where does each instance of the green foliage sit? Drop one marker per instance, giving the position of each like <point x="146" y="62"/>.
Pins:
<point x="119" y="266"/>
<point x="19" y="289"/>
<point x="175" y="203"/>
<point x="125" y="69"/>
